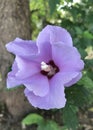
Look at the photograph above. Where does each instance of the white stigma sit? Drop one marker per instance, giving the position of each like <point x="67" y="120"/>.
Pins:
<point x="45" y="67"/>
<point x="48" y="68"/>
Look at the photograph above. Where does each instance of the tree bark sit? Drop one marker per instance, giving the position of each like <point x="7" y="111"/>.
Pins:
<point x="14" y="22"/>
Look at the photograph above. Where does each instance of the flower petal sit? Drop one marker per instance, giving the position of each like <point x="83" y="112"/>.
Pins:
<point x="38" y="84"/>
<point x="74" y="80"/>
<point x="26" y="68"/>
<point x="22" y="70"/>
<point x="11" y="79"/>
<point x="51" y="35"/>
<point x="67" y="58"/>
<point x="24" y="48"/>
<point x="54" y="99"/>
<point x="44" y="46"/>
<point x="59" y="34"/>
<point x="69" y="77"/>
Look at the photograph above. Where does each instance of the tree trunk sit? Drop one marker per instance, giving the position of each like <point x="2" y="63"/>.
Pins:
<point x="14" y="22"/>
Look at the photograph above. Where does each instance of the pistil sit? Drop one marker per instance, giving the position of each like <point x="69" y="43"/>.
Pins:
<point x="45" y="67"/>
<point x="48" y="69"/>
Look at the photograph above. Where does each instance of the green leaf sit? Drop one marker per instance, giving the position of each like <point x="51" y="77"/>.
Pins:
<point x="52" y="5"/>
<point x="87" y="91"/>
<point x="88" y="35"/>
<point x="70" y="117"/>
<point x="64" y="128"/>
<point x="86" y="81"/>
<point x="82" y="52"/>
<point x="78" y="95"/>
<point x="32" y="119"/>
<point x="78" y="30"/>
<point x="39" y="120"/>
<point x="49" y="125"/>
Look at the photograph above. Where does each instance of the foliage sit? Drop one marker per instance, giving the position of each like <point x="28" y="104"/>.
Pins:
<point x="52" y="5"/>
<point x="77" y="19"/>
<point x="70" y="116"/>
<point x="33" y="119"/>
<point x="41" y="122"/>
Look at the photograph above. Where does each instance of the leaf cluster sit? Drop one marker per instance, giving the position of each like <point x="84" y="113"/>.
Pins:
<point x="41" y="122"/>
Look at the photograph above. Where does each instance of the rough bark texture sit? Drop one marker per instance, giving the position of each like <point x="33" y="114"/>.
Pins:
<point x="14" y="22"/>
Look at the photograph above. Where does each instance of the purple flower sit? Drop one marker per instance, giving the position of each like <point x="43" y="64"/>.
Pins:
<point x="45" y="67"/>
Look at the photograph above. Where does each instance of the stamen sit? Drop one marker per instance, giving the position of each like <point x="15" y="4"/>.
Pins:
<point x="45" y="67"/>
<point x="49" y="69"/>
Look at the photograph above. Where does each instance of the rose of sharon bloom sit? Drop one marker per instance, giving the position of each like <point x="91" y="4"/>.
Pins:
<point x="45" y="66"/>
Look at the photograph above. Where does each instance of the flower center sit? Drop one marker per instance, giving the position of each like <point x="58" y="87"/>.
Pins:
<point x="49" y="69"/>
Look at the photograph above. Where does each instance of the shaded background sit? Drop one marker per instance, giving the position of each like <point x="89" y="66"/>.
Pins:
<point x="25" y="19"/>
